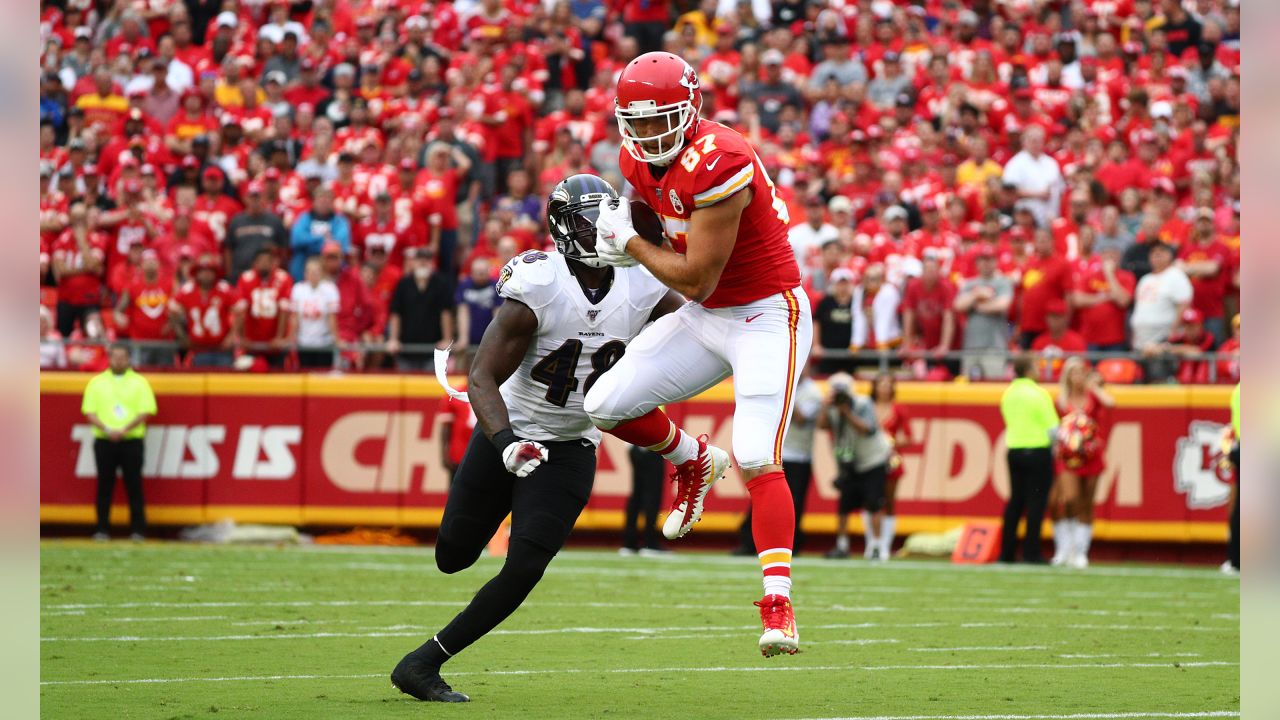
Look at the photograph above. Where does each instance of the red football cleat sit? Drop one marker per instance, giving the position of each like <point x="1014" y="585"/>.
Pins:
<point x="693" y="481"/>
<point x="779" y="620"/>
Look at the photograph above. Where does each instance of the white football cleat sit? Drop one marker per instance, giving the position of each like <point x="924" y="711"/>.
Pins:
<point x="693" y="481"/>
<point x="1078" y="561"/>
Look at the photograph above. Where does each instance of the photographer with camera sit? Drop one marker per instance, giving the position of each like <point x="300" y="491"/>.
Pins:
<point x="862" y="457"/>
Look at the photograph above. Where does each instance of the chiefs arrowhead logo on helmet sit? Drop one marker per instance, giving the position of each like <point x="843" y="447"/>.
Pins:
<point x="658" y="101"/>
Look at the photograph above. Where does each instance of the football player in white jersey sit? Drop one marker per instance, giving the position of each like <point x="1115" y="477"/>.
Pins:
<point x="565" y="320"/>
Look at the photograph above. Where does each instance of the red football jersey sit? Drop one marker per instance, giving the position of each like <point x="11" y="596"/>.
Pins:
<point x="1106" y="322"/>
<point x="716" y="164"/>
<point x="80" y="288"/>
<point x="263" y="300"/>
<point x="388" y="235"/>
<point x="148" y="311"/>
<point x="216" y="212"/>
<point x="208" y="316"/>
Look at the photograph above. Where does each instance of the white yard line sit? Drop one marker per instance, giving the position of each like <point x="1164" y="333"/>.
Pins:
<point x="1072" y="716"/>
<point x="696" y="631"/>
<point x="79" y="608"/>
<point x="683" y="670"/>
<point x="1019" y="648"/>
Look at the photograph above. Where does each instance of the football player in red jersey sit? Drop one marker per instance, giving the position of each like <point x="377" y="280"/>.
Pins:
<point x="200" y="314"/>
<point x="728" y="254"/>
<point x="261" y="309"/>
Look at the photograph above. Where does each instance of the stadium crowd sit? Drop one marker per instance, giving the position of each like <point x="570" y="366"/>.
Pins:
<point x="271" y="179"/>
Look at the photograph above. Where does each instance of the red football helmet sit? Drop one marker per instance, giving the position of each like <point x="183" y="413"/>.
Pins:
<point x="657" y="85"/>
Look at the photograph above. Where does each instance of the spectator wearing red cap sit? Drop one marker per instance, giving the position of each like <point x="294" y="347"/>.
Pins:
<point x="250" y="231"/>
<point x="1186" y="346"/>
<point x="1046" y="278"/>
<point x="200" y="314"/>
<point x="313" y="320"/>
<point x="1101" y="297"/>
<point x="262" y="306"/>
<point x="78" y="260"/>
<point x="214" y="207"/>
<point x="984" y="300"/>
<point x="1207" y="262"/>
<point x="1057" y="341"/>
<point x="142" y="312"/>
<point x="314" y="228"/>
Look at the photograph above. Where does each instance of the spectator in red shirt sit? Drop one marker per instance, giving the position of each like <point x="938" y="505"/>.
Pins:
<point x="1101" y="297"/>
<point x="262" y="306"/>
<point x="1206" y="260"/>
<point x="357" y="311"/>
<point x="436" y="193"/>
<point x="928" y="322"/>
<point x="79" y="263"/>
<point x="455" y="430"/>
<point x="1045" y="278"/>
<point x="200" y="313"/>
<point x="1057" y="341"/>
<point x="1188" y="345"/>
<point x="143" y="311"/>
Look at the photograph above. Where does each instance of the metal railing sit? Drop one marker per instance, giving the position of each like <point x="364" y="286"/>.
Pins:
<point x="145" y="353"/>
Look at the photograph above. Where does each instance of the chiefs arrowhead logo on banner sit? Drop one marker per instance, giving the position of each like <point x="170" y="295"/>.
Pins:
<point x="1197" y="470"/>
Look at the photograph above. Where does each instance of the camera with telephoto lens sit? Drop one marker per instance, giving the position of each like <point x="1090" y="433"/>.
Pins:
<point x="841" y="386"/>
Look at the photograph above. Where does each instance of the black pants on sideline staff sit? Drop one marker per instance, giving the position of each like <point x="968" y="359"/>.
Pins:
<point x="544" y="507"/>
<point x="799" y="477"/>
<point x="124" y="456"/>
<point x="1030" y="476"/>
<point x="646" y="497"/>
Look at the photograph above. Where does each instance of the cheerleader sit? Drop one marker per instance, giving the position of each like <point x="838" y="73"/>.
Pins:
<point x="1085" y="409"/>
<point x="897" y="431"/>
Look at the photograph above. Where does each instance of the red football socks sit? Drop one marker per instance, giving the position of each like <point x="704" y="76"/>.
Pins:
<point x="773" y="526"/>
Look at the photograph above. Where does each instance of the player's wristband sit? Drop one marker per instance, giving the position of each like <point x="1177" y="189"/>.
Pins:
<point x="503" y="438"/>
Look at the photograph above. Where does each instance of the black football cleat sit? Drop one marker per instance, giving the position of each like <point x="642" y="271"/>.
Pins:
<point x="414" y="677"/>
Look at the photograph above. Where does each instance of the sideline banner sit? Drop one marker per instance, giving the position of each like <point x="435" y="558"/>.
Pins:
<point x="361" y="450"/>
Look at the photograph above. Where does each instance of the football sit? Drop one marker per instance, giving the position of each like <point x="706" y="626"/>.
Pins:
<point x="646" y="222"/>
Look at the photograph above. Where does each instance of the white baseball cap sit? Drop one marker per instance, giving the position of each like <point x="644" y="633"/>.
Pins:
<point x="841" y="273"/>
<point x="840" y="203"/>
<point x="227" y="18"/>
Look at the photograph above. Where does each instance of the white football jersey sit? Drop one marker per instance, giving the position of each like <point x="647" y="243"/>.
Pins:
<point x="575" y="343"/>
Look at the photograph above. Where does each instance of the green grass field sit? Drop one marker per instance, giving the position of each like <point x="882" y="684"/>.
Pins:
<point x="177" y="631"/>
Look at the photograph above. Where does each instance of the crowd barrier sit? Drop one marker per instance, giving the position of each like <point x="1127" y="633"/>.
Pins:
<point x="329" y="449"/>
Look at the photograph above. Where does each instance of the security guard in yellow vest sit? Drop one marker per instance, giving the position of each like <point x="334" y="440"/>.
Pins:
<point x="1030" y="420"/>
<point x="118" y="403"/>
